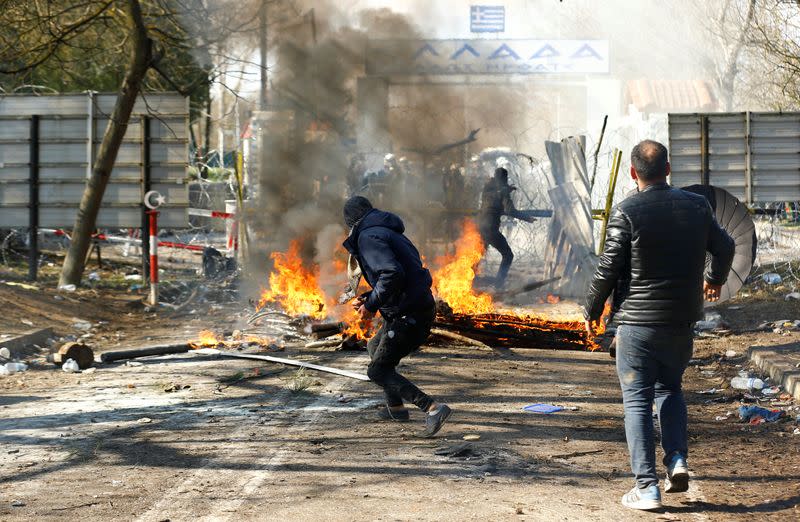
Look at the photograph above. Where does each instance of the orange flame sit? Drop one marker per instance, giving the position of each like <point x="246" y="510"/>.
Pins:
<point x="294" y="286"/>
<point x="453" y="281"/>
<point x="208" y="339"/>
<point x="205" y="339"/>
<point x="355" y="327"/>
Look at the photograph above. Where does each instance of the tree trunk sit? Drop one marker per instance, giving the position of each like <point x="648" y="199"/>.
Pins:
<point x="139" y="62"/>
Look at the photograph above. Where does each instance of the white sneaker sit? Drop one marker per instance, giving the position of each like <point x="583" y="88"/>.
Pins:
<point x="677" y="480"/>
<point x="645" y="499"/>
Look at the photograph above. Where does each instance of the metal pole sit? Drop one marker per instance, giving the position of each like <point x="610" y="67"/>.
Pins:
<point x="704" y="173"/>
<point x="612" y="185"/>
<point x="33" y="201"/>
<point x="153" y="215"/>
<point x="748" y="160"/>
<point x="597" y="152"/>
<point x="145" y="136"/>
<point x="262" y="19"/>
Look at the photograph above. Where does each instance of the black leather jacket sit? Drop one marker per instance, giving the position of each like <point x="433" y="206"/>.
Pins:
<point x="654" y="256"/>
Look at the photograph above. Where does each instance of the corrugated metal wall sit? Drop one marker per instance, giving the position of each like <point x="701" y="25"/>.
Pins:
<point x="753" y="155"/>
<point x="71" y="128"/>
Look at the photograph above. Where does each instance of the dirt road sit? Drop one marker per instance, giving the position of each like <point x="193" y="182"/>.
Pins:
<point x="234" y="443"/>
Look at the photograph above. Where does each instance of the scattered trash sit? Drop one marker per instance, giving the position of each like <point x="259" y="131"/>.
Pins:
<point x="26" y="321"/>
<point x="216" y="265"/>
<point x="730" y="354"/>
<point x="792" y="295"/>
<point x="133" y="363"/>
<point x="14" y="367"/>
<point x="711" y="321"/>
<point x="747" y="383"/>
<point x="93" y="276"/>
<point x="82" y="325"/>
<point x="343" y="399"/>
<point x="21" y="285"/>
<point x="796" y="431"/>
<point x="145" y="420"/>
<point x="472" y="436"/>
<point x="67" y="288"/>
<point x="758" y="415"/>
<point x="176" y="387"/>
<point x="772" y="278"/>
<point x="5" y="353"/>
<point x="18" y="503"/>
<point x="542" y="408"/>
<point x="723" y="417"/>
<point x="710" y="391"/>
<point x="784" y="325"/>
<point x="133" y="277"/>
<point x="70" y="366"/>
<point x="772" y="390"/>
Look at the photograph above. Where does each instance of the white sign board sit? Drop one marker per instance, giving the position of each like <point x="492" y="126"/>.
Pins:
<point x="432" y="57"/>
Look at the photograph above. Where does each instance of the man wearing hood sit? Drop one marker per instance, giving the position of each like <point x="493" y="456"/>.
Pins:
<point x="495" y="203"/>
<point x="401" y="291"/>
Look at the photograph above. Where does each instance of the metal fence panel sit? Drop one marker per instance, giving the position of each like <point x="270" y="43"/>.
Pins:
<point x="71" y="128"/>
<point x="753" y="155"/>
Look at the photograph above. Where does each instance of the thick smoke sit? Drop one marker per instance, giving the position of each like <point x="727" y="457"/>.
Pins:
<point x="319" y="117"/>
<point x="316" y="125"/>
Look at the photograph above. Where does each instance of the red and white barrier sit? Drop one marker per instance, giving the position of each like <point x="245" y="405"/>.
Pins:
<point x="211" y="213"/>
<point x="129" y="240"/>
<point x="231" y="229"/>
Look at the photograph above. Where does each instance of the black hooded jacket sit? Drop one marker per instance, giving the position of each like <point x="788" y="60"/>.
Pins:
<point x="391" y="265"/>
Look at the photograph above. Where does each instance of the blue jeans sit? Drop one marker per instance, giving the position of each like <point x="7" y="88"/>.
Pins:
<point x="650" y="365"/>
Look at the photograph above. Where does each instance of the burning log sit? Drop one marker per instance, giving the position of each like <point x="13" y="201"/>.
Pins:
<point x="459" y="338"/>
<point x="326" y="343"/>
<point x="323" y="330"/>
<point x="511" y="331"/>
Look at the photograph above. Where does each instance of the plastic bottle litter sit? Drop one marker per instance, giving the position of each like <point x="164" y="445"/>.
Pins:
<point x="772" y="278"/>
<point x="3" y="371"/>
<point x="94" y="276"/>
<point x="67" y="288"/>
<point x="747" y="383"/>
<point x="14" y="367"/>
<point x="70" y="366"/>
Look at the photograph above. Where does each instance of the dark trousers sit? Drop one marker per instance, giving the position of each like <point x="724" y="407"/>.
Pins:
<point x="492" y="236"/>
<point x="397" y="338"/>
<point x="650" y="365"/>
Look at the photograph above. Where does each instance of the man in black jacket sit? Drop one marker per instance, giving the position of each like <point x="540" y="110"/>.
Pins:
<point x="496" y="202"/>
<point x="653" y="260"/>
<point x="401" y="291"/>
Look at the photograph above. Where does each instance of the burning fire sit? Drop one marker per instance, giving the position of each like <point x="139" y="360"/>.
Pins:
<point x="453" y="281"/>
<point x="208" y="339"/>
<point x="293" y="286"/>
<point x="205" y="339"/>
<point x="355" y="327"/>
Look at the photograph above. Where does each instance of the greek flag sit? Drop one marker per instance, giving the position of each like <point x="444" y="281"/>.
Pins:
<point x="487" y="18"/>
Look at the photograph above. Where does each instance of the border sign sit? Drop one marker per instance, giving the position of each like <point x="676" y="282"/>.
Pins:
<point x="478" y="56"/>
